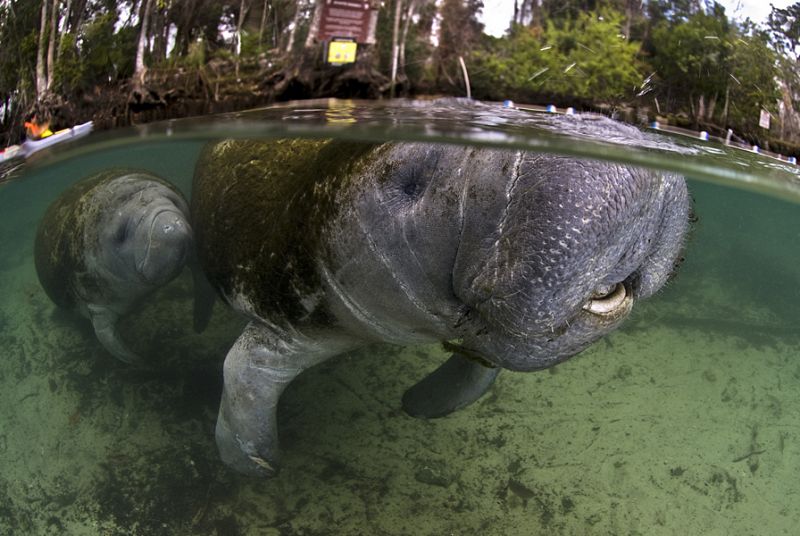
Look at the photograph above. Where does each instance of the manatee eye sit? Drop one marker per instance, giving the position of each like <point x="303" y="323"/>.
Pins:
<point x="411" y="189"/>
<point x="123" y="231"/>
<point x="407" y="181"/>
<point x="412" y="182"/>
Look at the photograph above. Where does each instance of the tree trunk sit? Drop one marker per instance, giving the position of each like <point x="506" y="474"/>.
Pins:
<point x="263" y="24"/>
<point x="725" y="107"/>
<point x="398" y="6"/>
<point x="701" y="108"/>
<point x="176" y="11"/>
<point x="160" y="28"/>
<point x="626" y="31"/>
<point x="78" y="14"/>
<point x="313" y="29"/>
<point x="293" y="30"/>
<point x="537" y="19"/>
<point x="412" y="6"/>
<point x="139" y="67"/>
<point x="712" y="104"/>
<point x="243" y="8"/>
<point x="67" y="27"/>
<point x="41" y="72"/>
<point x="165" y="37"/>
<point x="51" y="47"/>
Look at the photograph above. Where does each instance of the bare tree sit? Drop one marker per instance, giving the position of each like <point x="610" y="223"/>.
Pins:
<point x="295" y="23"/>
<point x="139" y="67"/>
<point x="398" y="8"/>
<point x="412" y="7"/>
<point x="67" y="28"/>
<point x="41" y="67"/>
<point x="263" y="24"/>
<point x="51" y="47"/>
<point x="159" y="30"/>
<point x="237" y="38"/>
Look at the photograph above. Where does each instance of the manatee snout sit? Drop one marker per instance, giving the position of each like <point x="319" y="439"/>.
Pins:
<point x="167" y="246"/>
<point x="574" y="246"/>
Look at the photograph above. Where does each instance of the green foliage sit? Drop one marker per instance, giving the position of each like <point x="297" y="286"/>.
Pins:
<point x="196" y="56"/>
<point x="585" y="58"/>
<point x="672" y="11"/>
<point x="250" y="45"/>
<point x="223" y="53"/>
<point x="597" y="63"/>
<point x="19" y="38"/>
<point x="69" y="71"/>
<point x="753" y="70"/>
<point x="704" y="57"/>
<point x="784" y="27"/>
<point x="418" y="50"/>
<point x="689" y="56"/>
<point x="107" y="55"/>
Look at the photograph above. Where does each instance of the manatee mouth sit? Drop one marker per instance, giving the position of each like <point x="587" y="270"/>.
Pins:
<point x="544" y="346"/>
<point x="609" y="300"/>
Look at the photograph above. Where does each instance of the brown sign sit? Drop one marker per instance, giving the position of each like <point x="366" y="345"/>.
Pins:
<point x="347" y="18"/>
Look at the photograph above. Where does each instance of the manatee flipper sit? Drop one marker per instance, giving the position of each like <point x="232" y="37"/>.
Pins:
<point x="458" y="382"/>
<point x="204" y="297"/>
<point x="259" y="366"/>
<point x="105" y="327"/>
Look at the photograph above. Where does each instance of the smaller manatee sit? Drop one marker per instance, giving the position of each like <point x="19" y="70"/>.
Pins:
<point x="107" y="242"/>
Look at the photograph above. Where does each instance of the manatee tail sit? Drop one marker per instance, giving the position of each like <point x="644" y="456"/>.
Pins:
<point x="204" y="297"/>
<point x="457" y="383"/>
<point x="104" y="322"/>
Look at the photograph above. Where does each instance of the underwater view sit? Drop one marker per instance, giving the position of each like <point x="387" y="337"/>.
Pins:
<point x="683" y="418"/>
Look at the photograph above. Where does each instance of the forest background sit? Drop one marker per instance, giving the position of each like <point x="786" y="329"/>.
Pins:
<point x="119" y="62"/>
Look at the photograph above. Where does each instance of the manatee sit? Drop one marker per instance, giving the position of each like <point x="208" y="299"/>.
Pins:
<point x="107" y="242"/>
<point x="513" y="260"/>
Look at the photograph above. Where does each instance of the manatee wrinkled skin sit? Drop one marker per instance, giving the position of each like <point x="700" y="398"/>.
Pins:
<point x="512" y="259"/>
<point x="107" y="242"/>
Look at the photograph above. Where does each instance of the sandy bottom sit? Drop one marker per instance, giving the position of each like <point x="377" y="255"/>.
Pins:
<point x="686" y="421"/>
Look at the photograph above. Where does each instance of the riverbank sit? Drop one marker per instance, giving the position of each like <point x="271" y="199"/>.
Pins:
<point x="219" y="86"/>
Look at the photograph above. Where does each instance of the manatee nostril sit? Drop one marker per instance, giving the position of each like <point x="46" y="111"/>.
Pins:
<point x="607" y="299"/>
<point x="167" y="225"/>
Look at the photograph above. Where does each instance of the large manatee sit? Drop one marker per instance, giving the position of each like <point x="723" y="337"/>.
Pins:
<point x="512" y="259"/>
<point x="107" y="242"/>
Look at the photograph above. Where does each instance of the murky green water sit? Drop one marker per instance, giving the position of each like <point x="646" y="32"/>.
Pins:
<point x="684" y="421"/>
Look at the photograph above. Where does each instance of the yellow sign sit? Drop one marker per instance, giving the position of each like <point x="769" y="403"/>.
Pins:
<point x="341" y="52"/>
